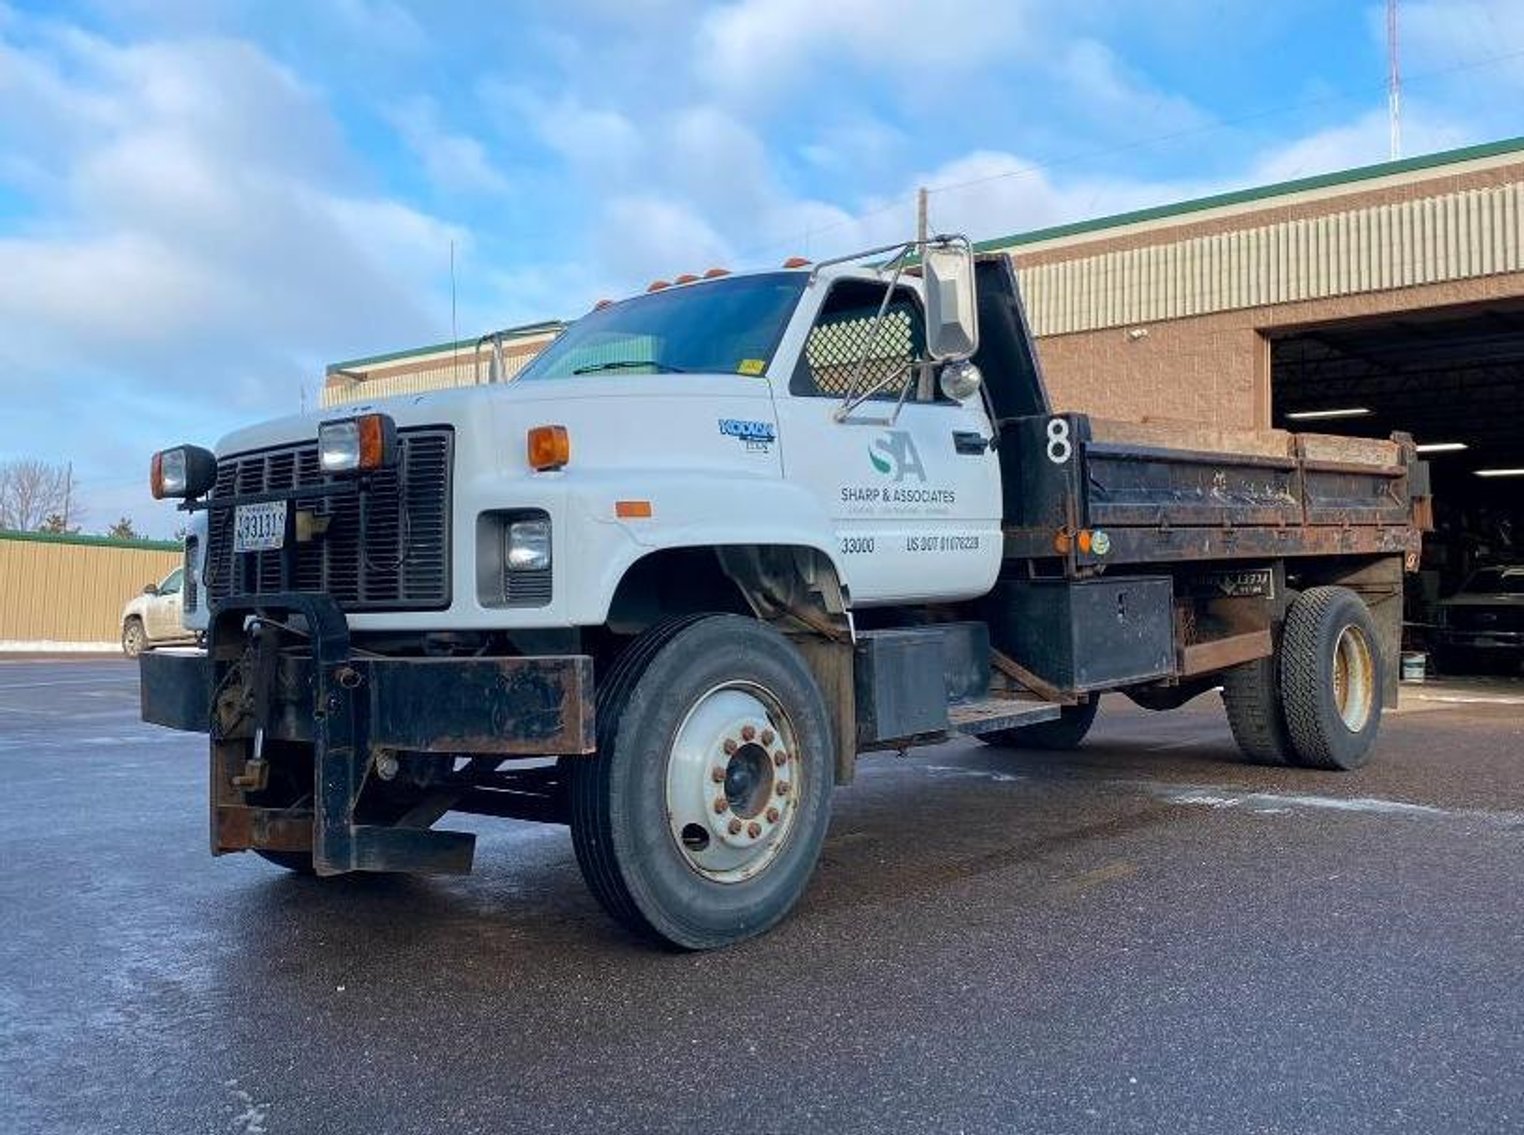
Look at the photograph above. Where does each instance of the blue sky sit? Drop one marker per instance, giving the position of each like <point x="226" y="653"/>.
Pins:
<point x="204" y="203"/>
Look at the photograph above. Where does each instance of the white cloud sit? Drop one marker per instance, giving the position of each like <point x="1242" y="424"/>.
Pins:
<point x="595" y="140"/>
<point x="202" y="199"/>
<point x="756" y="48"/>
<point x="378" y="24"/>
<point x="456" y="163"/>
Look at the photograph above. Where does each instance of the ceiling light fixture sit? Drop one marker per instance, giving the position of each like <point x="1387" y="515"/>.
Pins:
<point x="1319" y="415"/>
<point x="1442" y="447"/>
<point x="1500" y="472"/>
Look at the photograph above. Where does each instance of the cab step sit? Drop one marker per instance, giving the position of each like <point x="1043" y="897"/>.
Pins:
<point x="990" y="715"/>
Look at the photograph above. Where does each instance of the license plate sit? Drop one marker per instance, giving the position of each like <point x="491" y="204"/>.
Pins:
<point x="259" y="527"/>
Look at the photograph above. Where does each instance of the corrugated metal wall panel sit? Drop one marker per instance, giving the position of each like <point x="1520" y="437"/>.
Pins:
<point x="439" y="375"/>
<point x="60" y="592"/>
<point x="1430" y="240"/>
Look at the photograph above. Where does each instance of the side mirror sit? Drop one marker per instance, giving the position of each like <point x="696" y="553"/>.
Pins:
<point x="952" y="316"/>
<point x="150" y="589"/>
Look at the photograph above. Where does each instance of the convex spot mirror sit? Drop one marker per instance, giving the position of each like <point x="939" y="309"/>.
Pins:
<point x="960" y="380"/>
<point x="952" y="317"/>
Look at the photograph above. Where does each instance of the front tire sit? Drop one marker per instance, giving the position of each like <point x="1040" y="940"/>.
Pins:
<point x="700" y="819"/>
<point x="1332" y="677"/>
<point x="134" y="637"/>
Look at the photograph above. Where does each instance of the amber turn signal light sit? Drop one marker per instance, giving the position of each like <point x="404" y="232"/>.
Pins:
<point x="549" y="448"/>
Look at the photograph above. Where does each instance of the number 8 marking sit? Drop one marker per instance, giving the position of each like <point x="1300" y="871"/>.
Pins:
<point x="1060" y="449"/>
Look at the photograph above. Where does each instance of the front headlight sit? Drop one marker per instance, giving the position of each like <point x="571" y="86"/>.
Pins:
<point x="366" y="442"/>
<point x="528" y="545"/>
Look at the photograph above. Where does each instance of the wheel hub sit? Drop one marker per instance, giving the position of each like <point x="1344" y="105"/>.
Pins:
<point x="732" y="782"/>
<point x="1354" y="678"/>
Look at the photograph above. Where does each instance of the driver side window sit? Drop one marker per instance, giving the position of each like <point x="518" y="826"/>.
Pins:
<point x="171" y="584"/>
<point x="834" y="354"/>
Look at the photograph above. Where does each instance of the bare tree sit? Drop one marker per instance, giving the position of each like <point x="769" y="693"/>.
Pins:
<point x="33" y="492"/>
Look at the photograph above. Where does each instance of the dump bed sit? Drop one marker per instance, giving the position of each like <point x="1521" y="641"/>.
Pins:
<point x="1162" y="491"/>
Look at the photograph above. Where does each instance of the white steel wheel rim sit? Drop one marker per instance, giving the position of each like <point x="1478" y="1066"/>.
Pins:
<point x="1354" y="678"/>
<point x="733" y="781"/>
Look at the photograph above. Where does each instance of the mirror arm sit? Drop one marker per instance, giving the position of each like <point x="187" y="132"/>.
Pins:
<point x="852" y="402"/>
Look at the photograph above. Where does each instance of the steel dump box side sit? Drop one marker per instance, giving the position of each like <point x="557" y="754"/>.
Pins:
<point x="1142" y="502"/>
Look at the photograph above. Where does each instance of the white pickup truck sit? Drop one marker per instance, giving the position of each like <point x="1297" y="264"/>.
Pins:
<point x="723" y="537"/>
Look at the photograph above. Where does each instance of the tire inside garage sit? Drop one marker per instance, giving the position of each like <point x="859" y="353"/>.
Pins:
<point x="1453" y="378"/>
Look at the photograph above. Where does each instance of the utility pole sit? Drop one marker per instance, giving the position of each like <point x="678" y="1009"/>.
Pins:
<point x="68" y="493"/>
<point x="921" y="229"/>
<point x="1393" y="81"/>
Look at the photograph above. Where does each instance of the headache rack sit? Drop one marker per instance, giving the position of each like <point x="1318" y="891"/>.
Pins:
<point x="384" y="545"/>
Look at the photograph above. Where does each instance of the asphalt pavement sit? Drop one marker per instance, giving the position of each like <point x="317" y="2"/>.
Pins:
<point x="1140" y="936"/>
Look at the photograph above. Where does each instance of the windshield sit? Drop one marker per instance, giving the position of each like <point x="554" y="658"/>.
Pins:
<point x="1496" y="581"/>
<point x="725" y="326"/>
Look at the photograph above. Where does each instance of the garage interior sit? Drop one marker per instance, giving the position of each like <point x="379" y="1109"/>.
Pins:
<point x="1451" y="377"/>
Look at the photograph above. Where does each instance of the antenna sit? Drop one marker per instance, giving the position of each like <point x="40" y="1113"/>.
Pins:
<point x="454" y="334"/>
<point x="1393" y="80"/>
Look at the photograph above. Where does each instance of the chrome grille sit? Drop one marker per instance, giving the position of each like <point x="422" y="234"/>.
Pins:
<point x="386" y="547"/>
<point x="190" y="596"/>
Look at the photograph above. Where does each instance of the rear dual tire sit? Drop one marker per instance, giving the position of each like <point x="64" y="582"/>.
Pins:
<point x="1315" y="702"/>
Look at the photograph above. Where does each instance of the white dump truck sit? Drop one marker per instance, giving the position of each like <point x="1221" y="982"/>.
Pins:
<point x="720" y="539"/>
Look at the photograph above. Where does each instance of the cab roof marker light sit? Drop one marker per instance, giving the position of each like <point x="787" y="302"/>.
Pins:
<point x="796" y="262"/>
<point x="658" y="285"/>
<point x="716" y="273"/>
<point x="686" y="278"/>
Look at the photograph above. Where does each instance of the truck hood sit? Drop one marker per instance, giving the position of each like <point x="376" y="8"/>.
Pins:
<point x="502" y="400"/>
<point x="681" y="423"/>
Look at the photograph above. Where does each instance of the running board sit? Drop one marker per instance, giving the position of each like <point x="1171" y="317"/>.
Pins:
<point x="990" y="715"/>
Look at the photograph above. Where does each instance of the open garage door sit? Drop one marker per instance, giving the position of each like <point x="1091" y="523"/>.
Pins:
<point x="1454" y="379"/>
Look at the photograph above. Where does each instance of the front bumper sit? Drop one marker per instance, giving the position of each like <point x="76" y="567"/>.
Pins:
<point x="353" y="708"/>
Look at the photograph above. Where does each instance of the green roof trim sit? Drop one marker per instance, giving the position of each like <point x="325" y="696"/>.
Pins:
<point x="1259" y="193"/>
<point x="523" y="332"/>
<point x="90" y="541"/>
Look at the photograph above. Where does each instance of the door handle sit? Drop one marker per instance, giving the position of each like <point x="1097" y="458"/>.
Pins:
<point x="970" y="442"/>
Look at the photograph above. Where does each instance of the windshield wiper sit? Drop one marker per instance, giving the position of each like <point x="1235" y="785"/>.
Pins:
<point x="630" y="364"/>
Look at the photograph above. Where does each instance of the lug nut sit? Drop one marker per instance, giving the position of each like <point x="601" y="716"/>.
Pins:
<point x="767" y="736"/>
<point x="735" y="826"/>
<point x="717" y="774"/>
<point x="783" y="788"/>
<point x="748" y="732"/>
<point x="772" y="815"/>
<point x="730" y="747"/>
<point x="754" y="829"/>
<point x="720" y="804"/>
<point x="780" y="758"/>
